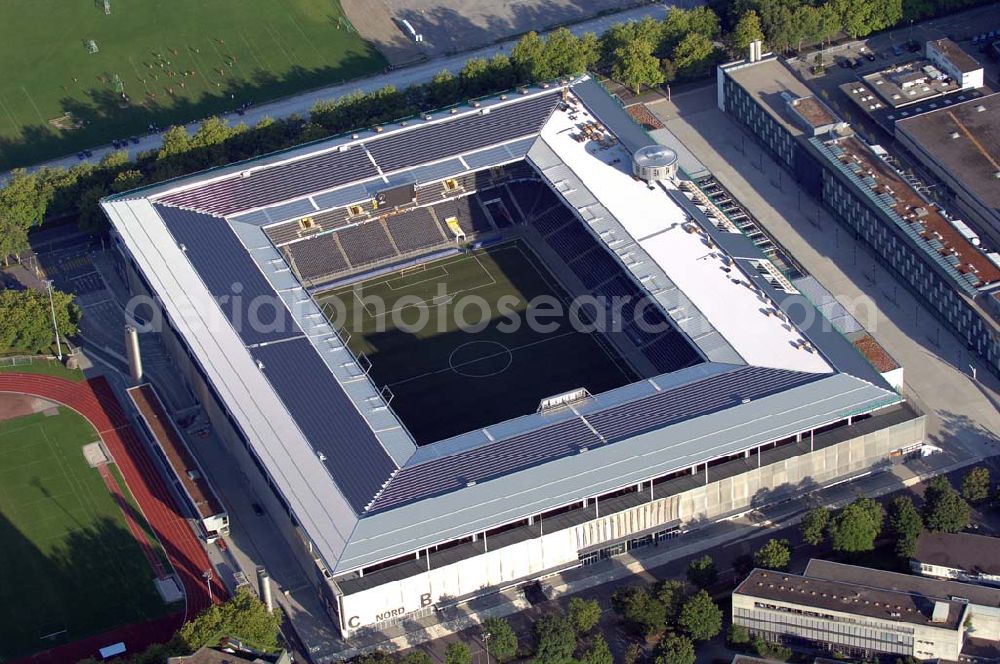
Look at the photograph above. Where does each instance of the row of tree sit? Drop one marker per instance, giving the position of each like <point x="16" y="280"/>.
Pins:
<point x="30" y="198"/>
<point x="685" y="45"/>
<point x="791" y="24"/>
<point x="243" y="616"/>
<point x="26" y="324"/>
<point x="856" y="528"/>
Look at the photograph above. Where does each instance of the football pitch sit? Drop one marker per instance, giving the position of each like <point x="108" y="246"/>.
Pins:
<point x="70" y="566"/>
<point x="454" y="340"/>
<point x="175" y="61"/>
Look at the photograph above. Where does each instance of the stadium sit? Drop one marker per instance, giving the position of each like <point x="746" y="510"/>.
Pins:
<point x="491" y="343"/>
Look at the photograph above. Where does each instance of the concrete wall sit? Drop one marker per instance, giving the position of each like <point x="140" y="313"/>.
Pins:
<point x="540" y="556"/>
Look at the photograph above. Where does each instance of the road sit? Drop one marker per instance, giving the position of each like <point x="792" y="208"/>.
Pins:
<point x="302" y="103"/>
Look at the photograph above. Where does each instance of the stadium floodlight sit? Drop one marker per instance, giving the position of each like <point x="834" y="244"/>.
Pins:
<point x="55" y="325"/>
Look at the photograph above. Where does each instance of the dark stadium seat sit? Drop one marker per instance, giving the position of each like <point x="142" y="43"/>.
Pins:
<point x="366" y="243"/>
<point x="415" y="230"/>
<point x="571" y="240"/>
<point x="316" y="257"/>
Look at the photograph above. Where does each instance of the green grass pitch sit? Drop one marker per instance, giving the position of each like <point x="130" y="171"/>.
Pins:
<point x="239" y="50"/>
<point x="70" y="566"/>
<point x="447" y="380"/>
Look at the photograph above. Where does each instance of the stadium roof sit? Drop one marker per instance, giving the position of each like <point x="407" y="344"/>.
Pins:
<point x="343" y="462"/>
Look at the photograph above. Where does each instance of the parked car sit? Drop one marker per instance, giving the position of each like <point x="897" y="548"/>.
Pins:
<point x="897" y="50"/>
<point x="870" y="56"/>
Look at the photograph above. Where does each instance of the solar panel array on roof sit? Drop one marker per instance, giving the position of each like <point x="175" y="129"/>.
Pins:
<point x="694" y="400"/>
<point x="549" y="443"/>
<point x="464" y="134"/>
<point x="257" y="314"/>
<point x="453" y="472"/>
<point x="277" y="183"/>
<point x="328" y="418"/>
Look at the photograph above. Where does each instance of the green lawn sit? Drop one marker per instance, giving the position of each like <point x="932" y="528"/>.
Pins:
<point x="447" y="380"/>
<point x="44" y="367"/>
<point x="264" y="49"/>
<point x="71" y="567"/>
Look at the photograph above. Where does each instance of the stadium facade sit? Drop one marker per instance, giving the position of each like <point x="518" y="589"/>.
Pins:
<point x="748" y="394"/>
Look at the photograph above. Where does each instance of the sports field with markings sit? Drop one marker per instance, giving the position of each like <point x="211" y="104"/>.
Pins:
<point x="175" y="61"/>
<point x="70" y="565"/>
<point x="454" y="342"/>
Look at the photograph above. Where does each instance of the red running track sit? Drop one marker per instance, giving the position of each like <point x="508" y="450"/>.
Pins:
<point x="95" y="400"/>
<point x="131" y="519"/>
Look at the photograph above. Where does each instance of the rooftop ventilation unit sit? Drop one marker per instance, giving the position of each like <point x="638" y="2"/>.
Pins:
<point x="654" y="163"/>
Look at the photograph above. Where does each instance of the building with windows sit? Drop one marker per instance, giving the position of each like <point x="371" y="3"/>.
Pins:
<point x="956" y="63"/>
<point x="984" y="602"/>
<point x="963" y="556"/>
<point x="849" y="619"/>
<point x="919" y="241"/>
<point x="741" y="392"/>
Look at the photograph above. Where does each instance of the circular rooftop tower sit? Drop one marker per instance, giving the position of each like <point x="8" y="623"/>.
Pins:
<point x="654" y="162"/>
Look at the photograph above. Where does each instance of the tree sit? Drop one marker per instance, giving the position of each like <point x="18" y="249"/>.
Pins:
<point x="857" y="526"/>
<point x="693" y="56"/>
<point x="675" y="649"/>
<point x="416" y="657"/>
<point x="584" y="614"/>
<point x="814" y="524"/>
<point x="671" y="594"/>
<point x="598" y="653"/>
<point x="737" y="637"/>
<point x="528" y="58"/>
<point x="700" y="617"/>
<point x="775" y="554"/>
<point x="126" y="180"/>
<point x="243" y="615"/>
<point x="862" y="17"/>
<point x="26" y="323"/>
<point x="376" y="657"/>
<point x="473" y="77"/>
<point x="636" y="66"/>
<point x="561" y="51"/>
<point x="906" y="525"/>
<point x="976" y="485"/>
<point x="746" y="30"/>
<point x="633" y="653"/>
<point x="589" y="51"/>
<point x="457" y="653"/>
<point x="555" y="638"/>
<point x="22" y="205"/>
<point x="640" y="610"/>
<point x="944" y="510"/>
<point x="702" y="572"/>
<point x="443" y="88"/>
<point x="502" y="639"/>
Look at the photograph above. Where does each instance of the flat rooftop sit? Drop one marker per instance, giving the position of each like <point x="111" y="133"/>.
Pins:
<point x="908" y="204"/>
<point x="974" y="157"/>
<point x="849" y="598"/>
<point x="888" y="84"/>
<point x="959" y="58"/>
<point x="710" y="278"/>
<point x="904" y="583"/>
<point x="765" y="81"/>
<point x="813" y="111"/>
<point x="965" y="551"/>
<point x="169" y="439"/>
